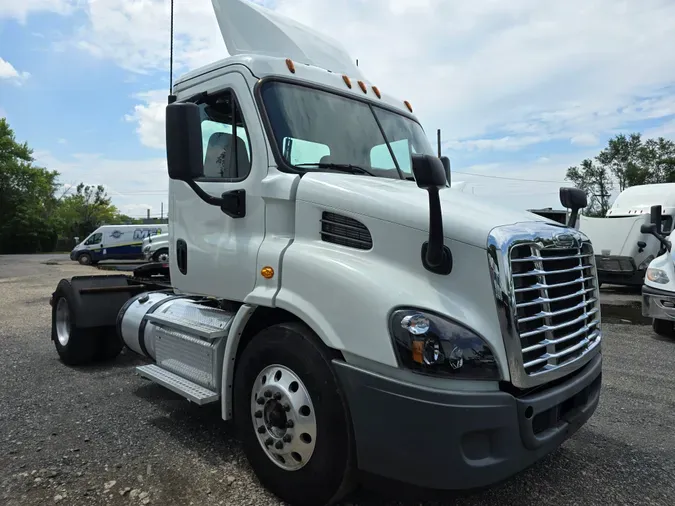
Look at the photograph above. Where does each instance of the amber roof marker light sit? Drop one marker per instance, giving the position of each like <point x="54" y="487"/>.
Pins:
<point x="290" y="65"/>
<point x="407" y="104"/>
<point x="376" y="90"/>
<point x="347" y="81"/>
<point x="363" y="86"/>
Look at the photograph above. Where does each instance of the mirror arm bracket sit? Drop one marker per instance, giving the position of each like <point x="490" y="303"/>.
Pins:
<point x="232" y="203"/>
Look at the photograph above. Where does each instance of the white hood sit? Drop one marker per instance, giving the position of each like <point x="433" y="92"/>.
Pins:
<point x="465" y="218"/>
<point x="618" y="236"/>
<point x="251" y="29"/>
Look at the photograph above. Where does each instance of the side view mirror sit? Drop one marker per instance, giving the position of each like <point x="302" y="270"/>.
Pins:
<point x="184" y="155"/>
<point x="573" y="199"/>
<point x="430" y="175"/>
<point x="446" y="165"/>
<point x="654" y="228"/>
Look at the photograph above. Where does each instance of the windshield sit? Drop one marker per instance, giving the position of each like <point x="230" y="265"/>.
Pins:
<point x="313" y="127"/>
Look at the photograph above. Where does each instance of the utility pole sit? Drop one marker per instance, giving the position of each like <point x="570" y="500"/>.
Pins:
<point x="148" y="213"/>
<point x="357" y="62"/>
<point x="162" y="211"/>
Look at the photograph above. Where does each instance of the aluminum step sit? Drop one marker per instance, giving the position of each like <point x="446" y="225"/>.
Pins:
<point x="191" y="391"/>
<point x="190" y="326"/>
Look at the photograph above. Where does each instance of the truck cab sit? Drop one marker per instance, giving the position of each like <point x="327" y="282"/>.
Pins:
<point x="344" y="307"/>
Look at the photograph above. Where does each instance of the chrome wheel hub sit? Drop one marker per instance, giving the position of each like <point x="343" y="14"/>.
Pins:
<point x="283" y="417"/>
<point x="62" y="321"/>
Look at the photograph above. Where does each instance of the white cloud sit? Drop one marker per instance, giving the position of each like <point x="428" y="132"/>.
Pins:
<point x="585" y="140"/>
<point x="149" y="118"/>
<point x="134" y="185"/>
<point x="21" y="9"/>
<point x="9" y="73"/>
<point x="492" y="75"/>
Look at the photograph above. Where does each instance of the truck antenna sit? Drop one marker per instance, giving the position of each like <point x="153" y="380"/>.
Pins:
<point x="438" y="140"/>
<point x="172" y="97"/>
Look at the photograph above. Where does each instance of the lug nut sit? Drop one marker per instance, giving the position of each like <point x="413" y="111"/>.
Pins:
<point x="290" y="424"/>
<point x="260" y="401"/>
<point x="268" y="441"/>
<point x="287" y="438"/>
<point x="287" y="408"/>
<point x="258" y="414"/>
<point x="277" y="396"/>
<point x="262" y="429"/>
<point x="279" y="445"/>
<point x="267" y="393"/>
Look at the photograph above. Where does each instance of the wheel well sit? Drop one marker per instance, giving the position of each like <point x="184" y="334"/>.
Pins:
<point x="264" y="317"/>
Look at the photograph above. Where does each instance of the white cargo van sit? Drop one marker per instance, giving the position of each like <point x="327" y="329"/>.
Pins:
<point x="114" y="242"/>
<point x="622" y="251"/>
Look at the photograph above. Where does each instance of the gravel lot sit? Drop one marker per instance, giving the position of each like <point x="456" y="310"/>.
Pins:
<point x="101" y="435"/>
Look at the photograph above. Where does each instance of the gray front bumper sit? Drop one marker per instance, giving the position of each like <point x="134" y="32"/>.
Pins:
<point x="658" y="304"/>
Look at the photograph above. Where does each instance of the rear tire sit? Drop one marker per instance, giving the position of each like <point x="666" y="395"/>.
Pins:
<point x="664" y="328"/>
<point x="85" y="259"/>
<point x="74" y="345"/>
<point x="161" y="255"/>
<point x="109" y="344"/>
<point x="325" y="476"/>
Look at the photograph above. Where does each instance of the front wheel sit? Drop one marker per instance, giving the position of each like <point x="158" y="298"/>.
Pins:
<point x="161" y="255"/>
<point x="85" y="259"/>
<point x="292" y="417"/>
<point x="664" y="328"/>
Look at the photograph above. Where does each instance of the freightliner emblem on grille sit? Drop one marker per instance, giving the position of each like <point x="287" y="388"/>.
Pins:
<point x="564" y="240"/>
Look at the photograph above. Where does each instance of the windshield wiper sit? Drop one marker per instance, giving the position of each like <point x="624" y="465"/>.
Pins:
<point x="343" y="167"/>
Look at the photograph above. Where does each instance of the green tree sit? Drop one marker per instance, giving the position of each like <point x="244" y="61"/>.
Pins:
<point x="624" y="157"/>
<point x="82" y="212"/>
<point x="596" y="182"/>
<point x="27" y="200"/>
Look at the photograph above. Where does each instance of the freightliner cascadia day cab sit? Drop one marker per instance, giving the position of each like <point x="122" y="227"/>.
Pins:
<point x="347" y="310"/>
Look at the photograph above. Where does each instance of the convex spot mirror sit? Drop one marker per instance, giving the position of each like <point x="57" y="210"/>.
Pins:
<point x="429" y="171"/>
<point x="573" y="198"/>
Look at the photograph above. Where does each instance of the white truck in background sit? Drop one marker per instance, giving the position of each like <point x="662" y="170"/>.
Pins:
<point x="344" y="307"/>
<point x="658" y="291"/>
<point x="156" y="248"/>
<point x="623" y="252"/>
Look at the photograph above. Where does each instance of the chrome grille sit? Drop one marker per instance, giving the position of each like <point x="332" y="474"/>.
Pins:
<point x="556" y="310"/>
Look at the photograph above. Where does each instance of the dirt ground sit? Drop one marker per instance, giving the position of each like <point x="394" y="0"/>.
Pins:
<point x="103" y="436"/>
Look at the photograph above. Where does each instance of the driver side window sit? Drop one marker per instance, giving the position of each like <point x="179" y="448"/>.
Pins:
<point x="225" y="142"/>
<point x="94" y="239"/>
<point x="380" y="157"/>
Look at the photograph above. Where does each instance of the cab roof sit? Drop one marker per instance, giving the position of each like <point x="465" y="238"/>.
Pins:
<point x="639" y="199"/>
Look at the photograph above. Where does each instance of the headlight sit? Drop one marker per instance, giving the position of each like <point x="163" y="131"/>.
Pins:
<point x="657" y="276"/>
<point x="430" y="344"/>
<point x="646" y="262"/>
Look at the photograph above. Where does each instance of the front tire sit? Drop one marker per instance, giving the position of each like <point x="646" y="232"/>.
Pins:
<point x="292" y="417"/>
<point x="664" y="328"/>
<point x="85" y="259"/>
<point x="161" y="255"/>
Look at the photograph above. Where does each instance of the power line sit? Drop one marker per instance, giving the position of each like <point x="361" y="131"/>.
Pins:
<point x="511" y="178"/>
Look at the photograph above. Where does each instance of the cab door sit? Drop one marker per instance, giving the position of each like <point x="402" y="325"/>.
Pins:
<point x="212" y="253"/>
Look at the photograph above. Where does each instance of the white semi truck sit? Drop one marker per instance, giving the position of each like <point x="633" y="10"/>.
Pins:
<point x="658" y="291"/>
<point x="344" y="307"/>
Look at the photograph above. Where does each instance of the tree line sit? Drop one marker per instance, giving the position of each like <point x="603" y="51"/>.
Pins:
<point x="628" y="160"/>
<point x="37" y="213"/>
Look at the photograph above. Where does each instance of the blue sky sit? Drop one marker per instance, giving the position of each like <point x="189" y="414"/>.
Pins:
<point x="521" y="89"/>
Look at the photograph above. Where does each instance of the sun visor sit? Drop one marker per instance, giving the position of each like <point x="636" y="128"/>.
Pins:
<point x="251" y="29"/>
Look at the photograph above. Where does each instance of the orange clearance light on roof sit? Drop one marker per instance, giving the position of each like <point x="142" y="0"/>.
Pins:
<point x="407" y="104"/>
<point x="267" y="272"/>
<point x="347" y="81"/>
<point x="290" y="65"/>
<point x="362" y="85"/>
<point x="377" y="91"/>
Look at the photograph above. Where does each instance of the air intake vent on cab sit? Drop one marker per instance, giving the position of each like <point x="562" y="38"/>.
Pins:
<point x="345" y="231"/>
